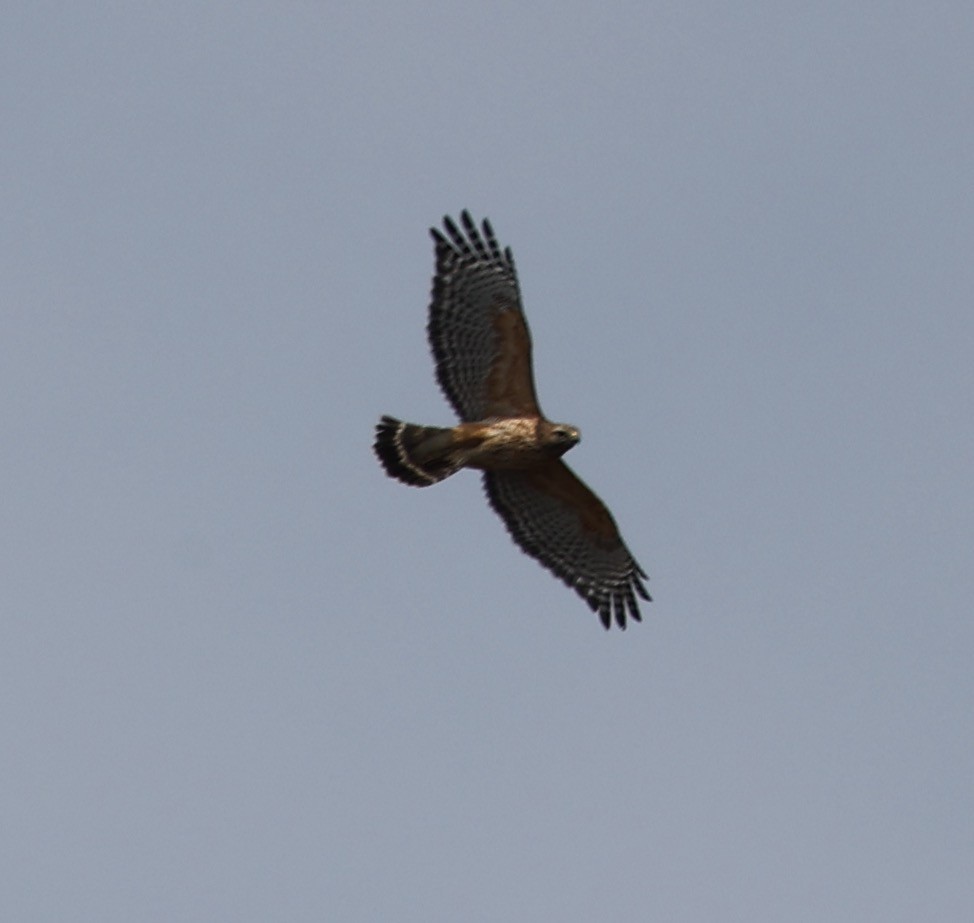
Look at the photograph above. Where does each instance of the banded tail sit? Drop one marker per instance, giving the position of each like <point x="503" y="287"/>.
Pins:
<point x="416" y="455"/>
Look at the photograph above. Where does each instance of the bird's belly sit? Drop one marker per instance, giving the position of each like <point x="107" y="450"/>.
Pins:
<point x="511" y="444"/>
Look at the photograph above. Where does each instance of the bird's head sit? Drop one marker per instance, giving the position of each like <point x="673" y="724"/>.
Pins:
<point x="562" y="437"/>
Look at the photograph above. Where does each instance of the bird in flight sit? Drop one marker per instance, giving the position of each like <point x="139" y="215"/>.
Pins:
<point x="480" y="341"/>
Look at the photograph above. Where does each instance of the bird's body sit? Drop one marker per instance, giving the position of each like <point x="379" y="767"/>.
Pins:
<point x="431" y="453"/>
<point x="482" y="347"/>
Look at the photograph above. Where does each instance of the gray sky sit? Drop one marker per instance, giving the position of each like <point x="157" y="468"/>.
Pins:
<point x="244" y="676"/>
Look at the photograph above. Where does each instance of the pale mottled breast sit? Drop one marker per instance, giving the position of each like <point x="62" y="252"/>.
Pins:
<point x="513" y="442"/>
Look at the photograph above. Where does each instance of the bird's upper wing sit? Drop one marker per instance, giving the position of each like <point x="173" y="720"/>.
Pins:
<point x="476" y="325"/>
<point x="555" y="518"/>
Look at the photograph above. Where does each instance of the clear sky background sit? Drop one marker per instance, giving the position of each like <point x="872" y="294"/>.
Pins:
<point x="244" y="676"/>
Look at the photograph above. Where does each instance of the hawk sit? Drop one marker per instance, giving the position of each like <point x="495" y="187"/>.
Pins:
<point x="482" y="347"/>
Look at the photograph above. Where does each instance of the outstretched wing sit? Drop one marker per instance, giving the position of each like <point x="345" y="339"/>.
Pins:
<point x="555" y="518"/>
<point x="476" y="325"/>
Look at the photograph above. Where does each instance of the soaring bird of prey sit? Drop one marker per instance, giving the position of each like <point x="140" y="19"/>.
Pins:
<point x="480" y="341"/>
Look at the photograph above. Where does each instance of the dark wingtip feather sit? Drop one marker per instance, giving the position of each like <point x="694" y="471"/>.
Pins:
<point x="456" y="235"/>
